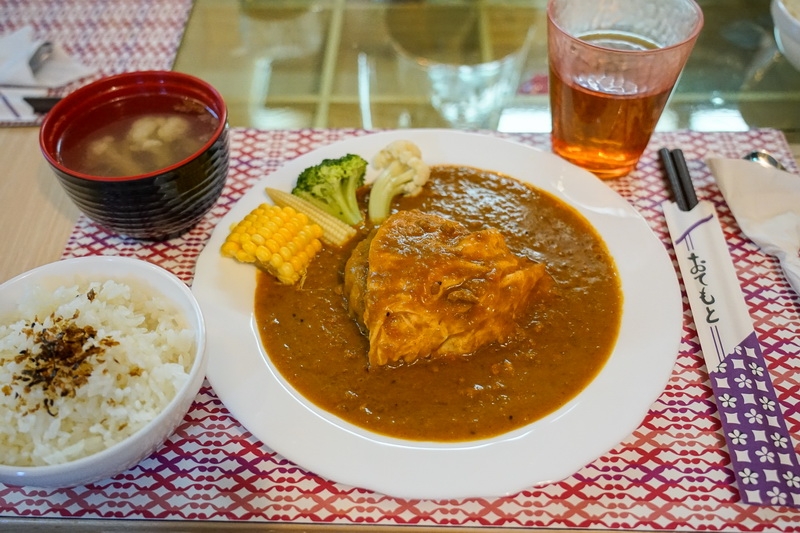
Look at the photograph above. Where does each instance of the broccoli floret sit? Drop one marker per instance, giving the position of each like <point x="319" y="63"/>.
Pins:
<point x="332" y="185"/>
<point x="400" y="171"/>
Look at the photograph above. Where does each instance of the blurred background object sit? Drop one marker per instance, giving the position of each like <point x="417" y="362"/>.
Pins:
<point x="786" y="17"/>
<point x="442" y="57"/>
<point x="736" y="78"/>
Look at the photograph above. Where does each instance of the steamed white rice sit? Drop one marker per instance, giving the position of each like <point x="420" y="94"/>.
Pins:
<point x="129" y="383"/>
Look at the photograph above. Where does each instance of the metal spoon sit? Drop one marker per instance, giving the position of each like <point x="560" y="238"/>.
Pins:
<point x="765" y="159"/>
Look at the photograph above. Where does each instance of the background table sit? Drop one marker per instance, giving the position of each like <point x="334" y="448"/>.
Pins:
<point x="286" y="64"/>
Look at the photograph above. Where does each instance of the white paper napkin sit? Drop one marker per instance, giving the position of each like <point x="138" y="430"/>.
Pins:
<point x="16" y="50"/>
<point x="766" y="204"/>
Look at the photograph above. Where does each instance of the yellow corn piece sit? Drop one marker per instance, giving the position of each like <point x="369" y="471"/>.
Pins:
<point x="277" y="239"/>
<point x="334" y="231"/>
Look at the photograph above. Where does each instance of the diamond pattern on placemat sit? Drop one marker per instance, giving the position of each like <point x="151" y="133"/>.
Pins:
<point x="110" y="36"/>
<point x="671" y="473"/>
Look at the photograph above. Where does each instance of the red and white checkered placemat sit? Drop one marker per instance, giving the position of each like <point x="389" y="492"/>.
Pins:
<point x="672" y="473"/>
<point x="111" y="36"/>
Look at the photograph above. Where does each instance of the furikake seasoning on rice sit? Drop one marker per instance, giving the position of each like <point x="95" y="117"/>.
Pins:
<point x="85" y="366"/>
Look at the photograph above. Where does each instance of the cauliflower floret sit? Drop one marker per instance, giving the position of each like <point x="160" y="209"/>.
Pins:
<point x="397" y="169"/>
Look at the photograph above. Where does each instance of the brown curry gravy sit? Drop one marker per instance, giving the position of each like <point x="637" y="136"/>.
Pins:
<point x="566" y="339"/>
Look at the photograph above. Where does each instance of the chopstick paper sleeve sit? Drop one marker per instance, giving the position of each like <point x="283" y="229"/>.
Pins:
<point x="762" y="454"/>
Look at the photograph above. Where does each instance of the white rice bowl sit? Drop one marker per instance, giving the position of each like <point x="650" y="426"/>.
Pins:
<point x="138" y="374"/>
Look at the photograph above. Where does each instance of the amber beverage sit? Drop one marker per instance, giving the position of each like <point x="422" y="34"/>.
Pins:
<point x="613" y="65"/>
<point x="599" y="131"/>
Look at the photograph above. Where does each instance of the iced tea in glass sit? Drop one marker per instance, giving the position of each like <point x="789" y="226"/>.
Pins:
<point x="613" y="65"/>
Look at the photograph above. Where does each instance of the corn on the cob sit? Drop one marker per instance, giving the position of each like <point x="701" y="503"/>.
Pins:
<point x="334" y="231"/>
<point x="277" y="239"/>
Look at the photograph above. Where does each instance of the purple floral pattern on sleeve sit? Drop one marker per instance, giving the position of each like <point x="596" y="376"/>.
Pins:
<point x="760" y="446"/>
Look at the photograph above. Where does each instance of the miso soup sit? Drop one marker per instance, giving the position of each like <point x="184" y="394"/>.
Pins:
<point x="123" y="140"/>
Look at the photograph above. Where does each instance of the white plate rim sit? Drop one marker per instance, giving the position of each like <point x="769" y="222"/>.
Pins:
<point x="590" y="425"/>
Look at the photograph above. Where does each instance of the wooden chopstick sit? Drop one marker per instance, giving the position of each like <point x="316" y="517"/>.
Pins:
<point x="685" y="178"/>
<point x="680" y="180"/>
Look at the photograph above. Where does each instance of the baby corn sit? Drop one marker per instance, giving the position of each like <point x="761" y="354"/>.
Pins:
<point x="277" y="239"/>
<point x="334" y="231"/>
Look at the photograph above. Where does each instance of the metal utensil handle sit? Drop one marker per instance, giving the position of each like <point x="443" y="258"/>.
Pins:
<point x="40" y="56"/>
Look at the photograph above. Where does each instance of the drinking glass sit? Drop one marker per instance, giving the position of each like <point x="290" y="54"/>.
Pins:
<point x="450" y="58"/>
<point x="613" y="65"/>
<point x="466" y="96"/>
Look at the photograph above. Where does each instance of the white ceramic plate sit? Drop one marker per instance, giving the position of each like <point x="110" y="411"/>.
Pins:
<point x="598" y="419"/>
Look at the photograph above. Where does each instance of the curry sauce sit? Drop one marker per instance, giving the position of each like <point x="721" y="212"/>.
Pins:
<point x="562" y="343"/>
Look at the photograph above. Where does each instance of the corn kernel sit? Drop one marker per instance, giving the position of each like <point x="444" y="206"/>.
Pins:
<point x="285" y="253"/>
<point x="229" y="249"/>
<point x="249" y="247"/>
<point x="279" y="240"/>
<point x="296" y="263"/>
<point x="284" y="231"/>
<point x="286" y="270"/>
<point x="272" y="246"/>
<point x="263" y="255"/>
<point x="244" y="257"/>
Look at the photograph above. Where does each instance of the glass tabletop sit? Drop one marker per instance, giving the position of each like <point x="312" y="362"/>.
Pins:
<point x="285" y="64"/>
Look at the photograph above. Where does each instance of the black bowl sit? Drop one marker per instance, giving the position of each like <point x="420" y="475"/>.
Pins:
<point x="156" y="205"/>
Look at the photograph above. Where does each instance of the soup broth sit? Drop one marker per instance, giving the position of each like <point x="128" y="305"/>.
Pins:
<point x="123" y="141"/>
<point x="564" y="340"/>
